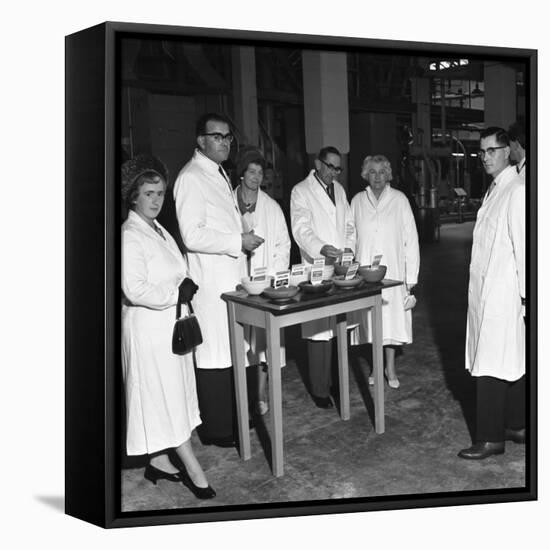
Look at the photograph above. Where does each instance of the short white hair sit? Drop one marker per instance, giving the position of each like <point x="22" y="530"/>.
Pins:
<point x="376" y="159"/>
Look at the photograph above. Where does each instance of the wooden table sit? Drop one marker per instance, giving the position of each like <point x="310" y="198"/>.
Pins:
<point x="259" y="311"/>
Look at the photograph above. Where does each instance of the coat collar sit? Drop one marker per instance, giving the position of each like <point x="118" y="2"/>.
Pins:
<point x="501" y="182"/>
<point x="206" y="164"/>
<point x="319" y="191"/>
<point x="259" y="201"/>
<point x="213" y="168"/>
<point x="134" y="219"/>
<point x="505" y="177"/>
<point x="372" y="198"/>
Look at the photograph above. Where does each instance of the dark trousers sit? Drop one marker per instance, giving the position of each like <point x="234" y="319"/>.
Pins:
<point x="215" y="390"/>
<point x="319" y="354"/>
<point x="500" y="405"/>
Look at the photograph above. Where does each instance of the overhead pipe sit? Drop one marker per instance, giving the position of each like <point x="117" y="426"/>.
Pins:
<point x="443" y="113"/>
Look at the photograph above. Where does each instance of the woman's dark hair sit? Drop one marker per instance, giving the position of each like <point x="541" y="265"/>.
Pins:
<point x="136" y="172"/>
<point x="246" y="156"/>
<point x="147" y="177"/>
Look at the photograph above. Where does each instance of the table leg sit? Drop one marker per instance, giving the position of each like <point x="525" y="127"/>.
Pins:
<point x="273" y="333"/>
<point x="236" y="336"/>
<point x="343" y="366"/>
<point x="378" y="365"/>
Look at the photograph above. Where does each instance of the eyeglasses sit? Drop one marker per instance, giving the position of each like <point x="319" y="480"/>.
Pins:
<point x="218" y="138"/>
<point x="490" y="151"/>
<point x="336" y="169"/>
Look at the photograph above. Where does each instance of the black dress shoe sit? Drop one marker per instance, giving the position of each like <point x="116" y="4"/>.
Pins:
<point x="322" y="402"/>
<point x="224" y="442"/>
<point x="481" y="450"/>
<point x="200" y="492"/>
<point x="153" y="474"/>
<point x="517" y="436"/>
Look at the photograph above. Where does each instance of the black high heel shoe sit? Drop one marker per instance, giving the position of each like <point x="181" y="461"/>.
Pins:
<point x="199" y="492"/>
<point x="153" y="474"/>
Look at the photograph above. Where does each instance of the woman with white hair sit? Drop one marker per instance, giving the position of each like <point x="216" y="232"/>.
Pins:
<point x="385" y="225"/>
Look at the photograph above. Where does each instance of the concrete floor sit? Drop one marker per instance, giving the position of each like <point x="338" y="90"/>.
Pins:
<point x="427" y="419"/>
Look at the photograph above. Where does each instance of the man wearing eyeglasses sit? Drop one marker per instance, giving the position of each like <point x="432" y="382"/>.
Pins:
<point x="211" y="229"/>
<point x="495" y="332"/>
<point x="322" y="225"/>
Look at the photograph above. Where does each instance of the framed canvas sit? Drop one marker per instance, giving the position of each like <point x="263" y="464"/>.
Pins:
<point x="136" y="89"/>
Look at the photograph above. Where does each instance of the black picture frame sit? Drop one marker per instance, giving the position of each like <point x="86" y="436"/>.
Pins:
<point x="93" y="380"/>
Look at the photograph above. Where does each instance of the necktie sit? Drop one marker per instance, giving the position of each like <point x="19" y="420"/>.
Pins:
<point x="491" y="187"/>
<point x="330" y="192"/>
<point x="224" y="176"/>
<point x="159" y="231"/>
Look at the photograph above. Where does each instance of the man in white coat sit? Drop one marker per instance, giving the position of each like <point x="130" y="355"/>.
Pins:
<point x="516" y="132"/>
<point x="211" y="229"/>
<point x="495" y="332"/>
<point x="322" y="225"/>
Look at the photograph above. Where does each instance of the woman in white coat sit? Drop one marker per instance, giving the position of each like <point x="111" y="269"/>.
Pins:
<point x="385" y="225"/>
<point x="161" y="398"/>
<point x="322" y="225"/>
<point x="261" y="214"/>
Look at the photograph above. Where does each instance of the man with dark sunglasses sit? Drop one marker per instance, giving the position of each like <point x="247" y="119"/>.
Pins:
<point x="322" y="225"/>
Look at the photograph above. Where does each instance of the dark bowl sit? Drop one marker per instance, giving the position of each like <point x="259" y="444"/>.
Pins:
<point x="321" y="288"/>
<point x="350" y="283"/>
<point x="340" y="269"/>
<point x="372" y="275"/>
<point x="282" y="293"/>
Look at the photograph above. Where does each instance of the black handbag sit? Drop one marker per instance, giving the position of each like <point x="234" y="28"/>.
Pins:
<point x="187" y="332"/>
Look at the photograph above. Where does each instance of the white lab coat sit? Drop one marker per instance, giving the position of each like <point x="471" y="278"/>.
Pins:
<point x="268" y="222"/>
<point x="386" y="226"/>
<point x="161" y="398"/>
<point x="316" y="221"/>
<point x="495" y="333"/>
<point x="210" y="226"/>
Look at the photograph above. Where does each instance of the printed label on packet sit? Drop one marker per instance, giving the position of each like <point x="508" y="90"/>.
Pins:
<point x="376" y="261"/>
<point x="317" y="270"/>
<point x="316" y="276"/>
<point x="351" y="271"/>
<point x="298" y="270"/>
<point x="281" y="278"/>
<point x="347" y="259"/>
<point x="259" y="274"/>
